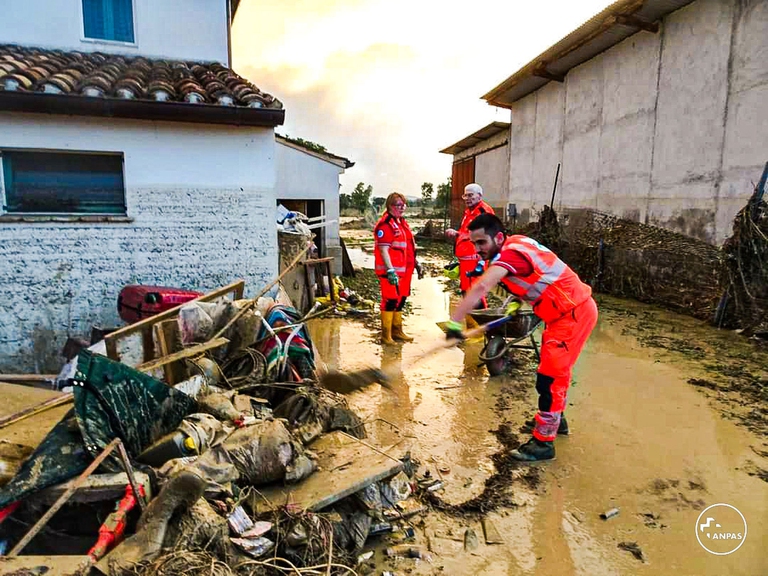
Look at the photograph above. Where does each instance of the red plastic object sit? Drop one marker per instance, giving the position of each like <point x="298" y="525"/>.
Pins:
<point x="113" y="529"/>
<point x="8" y="510"/>
<point x="137" y="302"/>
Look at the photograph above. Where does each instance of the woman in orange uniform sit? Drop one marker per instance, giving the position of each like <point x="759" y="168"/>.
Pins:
<point x="395" y="255"/>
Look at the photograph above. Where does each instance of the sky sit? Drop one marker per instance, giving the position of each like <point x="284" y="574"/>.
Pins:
<point x="389" y="83"/>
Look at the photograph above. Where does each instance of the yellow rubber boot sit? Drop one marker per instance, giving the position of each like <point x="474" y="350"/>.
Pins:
<point x="397" y="328"/>
<point x="386" y="327"/>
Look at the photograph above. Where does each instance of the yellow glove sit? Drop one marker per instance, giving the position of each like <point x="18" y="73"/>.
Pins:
<point x="512" y="307"/>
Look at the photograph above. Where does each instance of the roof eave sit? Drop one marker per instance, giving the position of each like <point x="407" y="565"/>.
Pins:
<point x="486" y="132"/>
<point x="139" y="109"/>
<point x="334" y="159"/>
<point x="617" y="22"/>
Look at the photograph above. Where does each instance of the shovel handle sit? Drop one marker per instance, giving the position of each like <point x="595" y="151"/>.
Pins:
<point x="451" y="343"/>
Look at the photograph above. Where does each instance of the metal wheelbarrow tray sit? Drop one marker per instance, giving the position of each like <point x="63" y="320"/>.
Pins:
<point x="500" y="340"/>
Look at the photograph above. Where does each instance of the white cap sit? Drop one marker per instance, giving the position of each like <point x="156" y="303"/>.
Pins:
<point x="474" y="188"/>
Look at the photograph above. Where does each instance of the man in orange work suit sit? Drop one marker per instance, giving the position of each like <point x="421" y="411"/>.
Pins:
<point x="534" y="274"/>
<point x="464" y="250"/>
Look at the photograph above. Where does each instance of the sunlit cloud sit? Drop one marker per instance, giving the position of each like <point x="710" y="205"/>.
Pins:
<point x="388" y="83"/>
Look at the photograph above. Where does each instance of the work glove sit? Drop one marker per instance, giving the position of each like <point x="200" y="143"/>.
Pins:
<point x="419" y="270"/>
<point x="453" y="330"/>
<point x="512" y="308"/>
<point x="392" y="277"/>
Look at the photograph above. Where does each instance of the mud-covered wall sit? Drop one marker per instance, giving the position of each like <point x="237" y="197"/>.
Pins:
<point x="668" y="129"/>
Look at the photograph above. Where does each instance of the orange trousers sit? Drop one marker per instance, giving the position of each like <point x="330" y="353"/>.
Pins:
<point x="561" y="344"/>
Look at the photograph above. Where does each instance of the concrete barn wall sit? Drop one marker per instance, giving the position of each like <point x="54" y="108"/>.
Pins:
<point x="302" y="176"/>
<point x="669" y="129"/>
<point x="491" y="172"/>
<point x="202" y="202"/>
<point x="179" y="29"/>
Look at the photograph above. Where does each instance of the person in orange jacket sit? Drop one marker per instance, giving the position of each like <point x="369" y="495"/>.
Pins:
<point x="395" y="261"/>
<point x="464" y="250"/>
<point x="534" y="274"/>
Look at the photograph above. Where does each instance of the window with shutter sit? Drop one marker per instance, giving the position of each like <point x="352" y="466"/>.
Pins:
<point x="108" y="20"/>
<point x="62" y="183"/>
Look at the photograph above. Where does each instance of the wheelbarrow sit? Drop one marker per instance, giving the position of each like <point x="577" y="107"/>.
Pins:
<point x="500" y="341"/>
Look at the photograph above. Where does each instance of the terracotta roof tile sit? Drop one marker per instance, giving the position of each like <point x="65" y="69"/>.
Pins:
<point x="81" y="74"/>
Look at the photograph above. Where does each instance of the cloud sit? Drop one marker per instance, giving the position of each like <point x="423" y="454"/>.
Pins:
<point x="388" y="83"/>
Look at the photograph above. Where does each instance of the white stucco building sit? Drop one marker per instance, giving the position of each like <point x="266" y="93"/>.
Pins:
<point x="130" y="153"/>
<point x="656" y="109"/>
<point x="308" y="181"/>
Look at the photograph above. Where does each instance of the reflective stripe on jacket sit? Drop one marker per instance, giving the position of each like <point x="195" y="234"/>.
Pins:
<point x="552" y="288"/>
<point x="402" y="249"/>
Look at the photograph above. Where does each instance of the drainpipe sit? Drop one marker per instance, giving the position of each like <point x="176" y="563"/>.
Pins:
<point x="229" y="33"/>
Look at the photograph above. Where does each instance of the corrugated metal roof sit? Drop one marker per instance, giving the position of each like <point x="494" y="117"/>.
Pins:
<point x="616" y="23"/>
<point x="473" y="139"/>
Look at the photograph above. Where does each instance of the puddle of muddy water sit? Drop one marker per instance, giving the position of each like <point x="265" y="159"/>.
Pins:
<point x="644" y="440"/>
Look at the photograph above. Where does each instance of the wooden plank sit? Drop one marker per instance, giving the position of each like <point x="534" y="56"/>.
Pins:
<point x="96" y="488"/>
<point x="26" y="378"/>
<point x="491" y="533"/>
<point x="59" y="400"/>
<point x="186" y="353"/>
<point x="112" y="338"/>
<point x="29" y="431"/>
<point x="53" y="565"/>
<point x="346" y="466"/>
<point x="166" y="334"/>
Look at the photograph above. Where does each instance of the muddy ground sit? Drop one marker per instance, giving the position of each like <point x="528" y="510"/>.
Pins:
<point x="668" y="417"/>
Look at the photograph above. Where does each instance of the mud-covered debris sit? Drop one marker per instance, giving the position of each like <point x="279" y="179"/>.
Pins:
<point x="491" y="533"/>
<point x="634" y="549"/>
<point x="608" y="514"/>
<point x="471" y="541"/>
<point x="239" y="522"/>
<point x="255" y="547"/>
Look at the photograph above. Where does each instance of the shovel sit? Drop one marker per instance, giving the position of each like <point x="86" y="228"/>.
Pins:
<point x="347" y="382"/>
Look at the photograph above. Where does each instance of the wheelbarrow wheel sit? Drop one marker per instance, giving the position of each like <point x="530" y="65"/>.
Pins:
<point x="496" y="358"/>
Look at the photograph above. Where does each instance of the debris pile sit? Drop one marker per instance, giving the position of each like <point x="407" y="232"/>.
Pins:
<point x="630" y="259"/>
<point x="745" y="268"/>
<point x="247" y="465"/>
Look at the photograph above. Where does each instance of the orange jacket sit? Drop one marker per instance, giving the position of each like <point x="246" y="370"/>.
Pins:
<point x="395" y="233"/>
<point x="552" y="288"/>
<point x="464" y="249"/>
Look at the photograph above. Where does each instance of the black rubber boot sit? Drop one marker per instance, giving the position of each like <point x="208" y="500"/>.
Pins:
<point x="534" y="451"/>
<point x="562" y="429"/>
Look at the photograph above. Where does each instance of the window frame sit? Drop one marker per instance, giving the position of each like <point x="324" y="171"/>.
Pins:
<point x="5" y="214"/>
<point x="84" y="38"/>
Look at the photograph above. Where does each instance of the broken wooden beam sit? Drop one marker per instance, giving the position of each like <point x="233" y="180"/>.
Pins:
<point x="96" y="488"/>
<point x="37" y="380"/>
<point x="182" y="354"/>
<point x="36" y="409"/>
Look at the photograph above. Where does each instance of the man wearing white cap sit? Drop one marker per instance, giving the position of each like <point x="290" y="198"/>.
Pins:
<point x="464" y="249"/>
